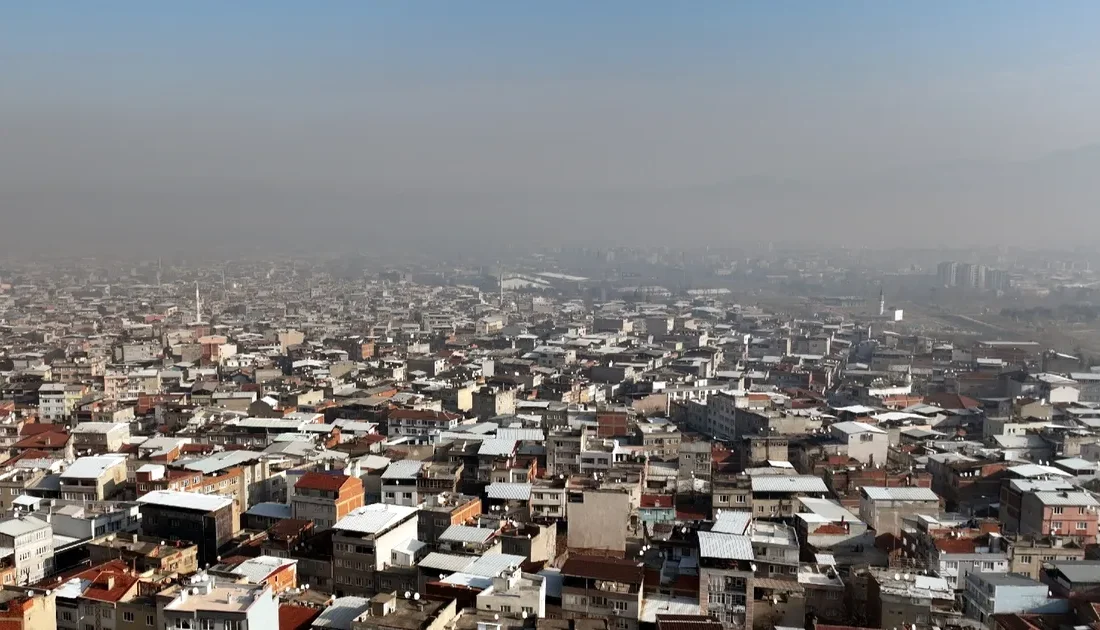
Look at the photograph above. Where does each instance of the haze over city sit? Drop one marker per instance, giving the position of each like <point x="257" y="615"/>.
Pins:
<point x="873" y="124"/>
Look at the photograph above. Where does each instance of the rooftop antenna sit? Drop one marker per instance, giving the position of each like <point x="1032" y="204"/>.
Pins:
<point x="881" y="302"/>
<point x="501" y="288"/>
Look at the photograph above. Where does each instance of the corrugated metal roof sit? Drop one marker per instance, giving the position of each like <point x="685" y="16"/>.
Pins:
<point x="1066" y="498"/>
<point x="878" y="493"/>
<point x="856" y="427"/>
<point x="491" y="565"/>
<point x="732" y="522"/>
<point x="445" y="561"/>
<point x="522" y="435"/>
<point x="1036" y="470"/>
<point x="92" y="467"/>
<point x="792" y="483"/>
<point x="270" y="510"/>
<point x="467" y="534"/>
<point x="185" y="500"/>
<point x="403" y="469"/>
<point x="341" y="613"/>
<point x="726" y="546"/>
<point x="256" y="570"/>
<point x="496" y="447"/>
<point x="374" y="518"/>
<point x="509" y="491"/>
<point x="221" y="461"/>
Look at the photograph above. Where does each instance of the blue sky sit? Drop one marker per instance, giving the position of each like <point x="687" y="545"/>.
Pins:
<point x="390" y="100"/>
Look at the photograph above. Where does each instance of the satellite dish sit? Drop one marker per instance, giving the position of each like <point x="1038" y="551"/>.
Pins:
<point x="407" y="594"/>
<point x="416" y="596"/>
<point x="525" y="614"/>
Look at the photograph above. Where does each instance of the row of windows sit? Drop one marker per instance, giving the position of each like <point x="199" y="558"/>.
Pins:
<point x="1081" y="525"/>
<point x="127" y="616"/>
<point x="205" y="624"/>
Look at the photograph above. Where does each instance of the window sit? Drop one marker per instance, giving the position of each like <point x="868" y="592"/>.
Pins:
<point x="1058" y="510"/>
<point x="1082" y="525"/>
<point x="128" y="617"/>
<point x="206" y="624"/>
<point x="149" y="620"/>
<point x="89" y="626"/>
<point x="106" y="613"/>
<point x="505" y="609"/>
<point x="620" y="605"/>
<point x="528" y="610"/>
<point x="1056" y="525"/>
<point x="67" y="615"/>
<point x="740" y="498"/>
<point x="832" y="594"/>
<point x="234" y="625"/>
<point x="723" y="498"/>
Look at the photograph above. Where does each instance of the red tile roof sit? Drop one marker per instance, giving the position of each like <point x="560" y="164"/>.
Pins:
<point x="49" y="439"/>
<point x="323" y="481"/>
<point x="609" y="569"/>
<point x="293" y="617"/>
<point x="657" y="500"/>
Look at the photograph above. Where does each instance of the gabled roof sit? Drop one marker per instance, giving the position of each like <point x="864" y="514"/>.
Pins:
<point x="725" y="546"/>
<point x="791" y="483"/>
<point x="324" y="481"/>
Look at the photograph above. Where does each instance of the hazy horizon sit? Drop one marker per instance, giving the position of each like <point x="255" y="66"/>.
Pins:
<point x="146" y="126"/>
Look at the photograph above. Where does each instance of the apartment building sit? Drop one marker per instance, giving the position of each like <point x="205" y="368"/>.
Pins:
<point x="326" y="498"/>
<point x="364" y="542"/>
<point x="400" y="482"/>
<point x="777" y="496"/>
<point x="866" y="443"/>
<point x="1060" y="513"/>
<point x="726" y="578"/>
<point x="884" y="509"/>
<point x="612" y="588"/>
<point x="203" y="519"/>
<point x="97" y="438"/>
<point x="29" y="541"/>
<point x="422" y="425"/>
<point x="94" y="478"/>
<point x="208" y="602"/>
<point x="57" y="400"/>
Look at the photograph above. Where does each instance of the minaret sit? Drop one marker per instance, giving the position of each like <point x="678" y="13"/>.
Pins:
<point x="198" y="305"/>
<point x="881" y="303"/>
<point x="501" y="289"/>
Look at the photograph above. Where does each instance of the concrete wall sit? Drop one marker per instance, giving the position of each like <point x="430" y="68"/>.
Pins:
<point x="600" y="522"/>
